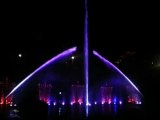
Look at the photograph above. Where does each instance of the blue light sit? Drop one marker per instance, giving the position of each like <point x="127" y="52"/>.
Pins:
<point x="115" y="100"/>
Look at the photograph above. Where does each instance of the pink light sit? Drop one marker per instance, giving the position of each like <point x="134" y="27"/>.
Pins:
<point x="8" y="102"/>
<point x="120" y="102"/>
<point x="137" y="102"/>
<point x="109" y="101"/>
<point x="2" y="102"/>
<point x="131" y="100"/>
<point x="72" y="103"/>
<point x="80" y="101"/>
<point x="103" y="102"/>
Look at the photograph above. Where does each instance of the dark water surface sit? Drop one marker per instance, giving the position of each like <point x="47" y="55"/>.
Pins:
<point x="75" y="112"/>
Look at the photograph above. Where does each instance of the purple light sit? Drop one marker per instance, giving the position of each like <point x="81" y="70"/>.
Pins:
<point x="49" y="103"/>
<point x="86" y="54"/>
<point x="115" y="68"/>
<point x="63" y="54"/>
<point x="63" y="103"/>
<point x="54" y="103"/>
<point x="72" y="103"/>
<point x="80" y="101"/>
<point x="95" y="103"/>
<point x="140" y="103"/>
<point x="89" y="104"/>
<point x="120" y="102"/>
<point x="109" y="102"/>
<point x="103" y="102"/>
<point x="114" y="100"/>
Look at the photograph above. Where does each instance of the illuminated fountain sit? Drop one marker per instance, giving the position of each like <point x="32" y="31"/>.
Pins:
<point x="86" y="56"/>
<point x="54" y="59"/>
<point x="55" y="88"/>
<point x="60" y="84"/>
<point x="119" y="86"/>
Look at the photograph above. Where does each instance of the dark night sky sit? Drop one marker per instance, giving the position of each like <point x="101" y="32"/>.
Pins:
<point x="39" y="31"/>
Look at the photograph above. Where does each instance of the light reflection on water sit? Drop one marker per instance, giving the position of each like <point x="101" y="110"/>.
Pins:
<point x="69" y="112"/>
<point x="78" y="112"/>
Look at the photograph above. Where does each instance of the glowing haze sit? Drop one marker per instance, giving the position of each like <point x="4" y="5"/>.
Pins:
<point x="61" y="55"/>
<point x="115" y="68"/>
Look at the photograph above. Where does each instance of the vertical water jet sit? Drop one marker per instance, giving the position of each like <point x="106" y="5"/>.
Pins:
<point x="86" y="54"/>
